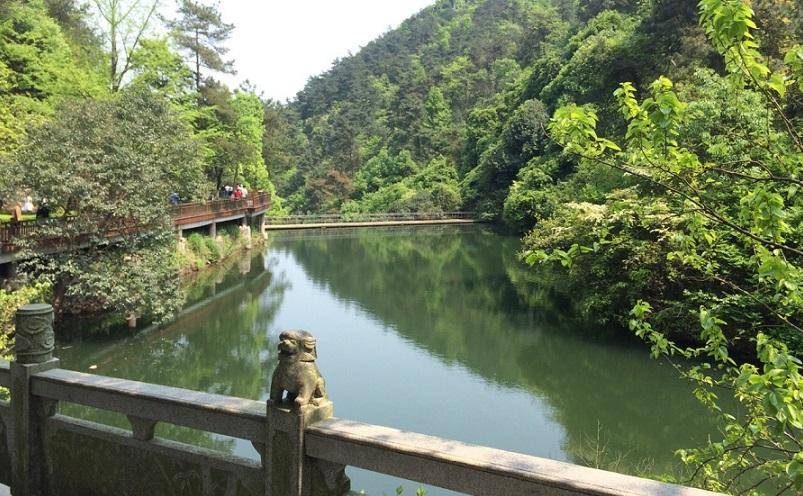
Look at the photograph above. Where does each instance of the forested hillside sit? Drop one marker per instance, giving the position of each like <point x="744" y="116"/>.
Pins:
<point x="449" y="110"/>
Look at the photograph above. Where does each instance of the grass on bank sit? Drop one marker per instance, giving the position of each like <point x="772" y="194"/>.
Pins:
<point x="6" y="217"/>
<point x="25" y="217"/>
<point x="200" y="250"/>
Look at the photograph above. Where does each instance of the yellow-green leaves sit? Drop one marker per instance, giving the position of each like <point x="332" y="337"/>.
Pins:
<point x="794" y="60"/>
<point x="575" y="128"/>
<point x="728" y="163"/>
<point x="729" y="25"/>
<point x="727" y="22"/>
<point x="626" y="97"/>
<point x="715" y="340"/>
<point x="766" y="211"/>
<point x="654" y="125"/>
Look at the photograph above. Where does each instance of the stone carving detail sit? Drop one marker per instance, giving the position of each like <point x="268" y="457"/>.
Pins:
<point x="34" y="339"/>
<point x="297" y="372"/>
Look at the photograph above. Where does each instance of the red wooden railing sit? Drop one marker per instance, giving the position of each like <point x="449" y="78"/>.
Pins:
<point x="191" y="213"/>
<point x="183" y="214"/>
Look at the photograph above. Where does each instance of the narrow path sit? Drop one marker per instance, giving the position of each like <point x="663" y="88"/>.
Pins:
<point x="335" y="225"/>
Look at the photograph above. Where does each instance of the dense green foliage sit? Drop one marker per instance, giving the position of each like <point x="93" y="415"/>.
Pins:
<point x="39" y="68"/>
<point x="101" y="122"/>
<point x="57" y="51"/>
<point x="707" y="222"/>
<point x="97" y="141"/>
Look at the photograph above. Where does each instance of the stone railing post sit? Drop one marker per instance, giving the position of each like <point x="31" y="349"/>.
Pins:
<point x="33" y="353"/>
<point x="288" y="471"/>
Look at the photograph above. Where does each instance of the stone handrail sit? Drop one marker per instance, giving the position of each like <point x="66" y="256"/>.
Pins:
<point x="235" y="417"/>
<point x="468" y="468"/>
<point x="304" y="449"/>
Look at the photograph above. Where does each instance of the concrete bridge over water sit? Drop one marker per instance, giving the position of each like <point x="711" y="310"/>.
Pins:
<point x="303" y="449"/>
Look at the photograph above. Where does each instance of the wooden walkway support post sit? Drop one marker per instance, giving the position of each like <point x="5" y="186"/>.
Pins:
<point x="33" y="353"/>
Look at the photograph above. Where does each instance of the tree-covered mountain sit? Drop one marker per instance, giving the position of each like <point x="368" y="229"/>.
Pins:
<point x="448" y="111"/>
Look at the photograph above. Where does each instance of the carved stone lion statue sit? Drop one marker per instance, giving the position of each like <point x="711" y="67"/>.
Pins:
<point x="297" y="372"/>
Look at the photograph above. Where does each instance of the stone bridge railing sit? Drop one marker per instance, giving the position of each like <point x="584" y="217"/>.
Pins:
<point x="304" y="449"/>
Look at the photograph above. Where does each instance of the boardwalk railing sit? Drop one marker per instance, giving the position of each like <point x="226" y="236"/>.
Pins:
<point x="304" y="449"/>
<point x="356" y="218"/>
<point x="184" y="215"/>
<point x="9" y="232"/>
<point x="15" y="230"/>
<point x="191" y="213"/>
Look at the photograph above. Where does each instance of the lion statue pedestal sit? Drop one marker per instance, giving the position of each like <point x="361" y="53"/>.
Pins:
<point x="298" y="399"/>
<point x="297" y="374"/>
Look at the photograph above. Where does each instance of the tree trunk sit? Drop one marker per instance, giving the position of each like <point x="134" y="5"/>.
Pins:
<point x="113" y="64"/>
<point x="197" y="63"/>
<point x="59" y="292"/>
<point x="115" y="85"/>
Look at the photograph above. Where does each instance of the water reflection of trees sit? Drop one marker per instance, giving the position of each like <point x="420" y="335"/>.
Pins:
<point x="461" y="295"/>
<point x="219" y="344"/>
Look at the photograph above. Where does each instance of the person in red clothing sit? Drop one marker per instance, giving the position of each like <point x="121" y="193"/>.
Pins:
<point x="238" y="192"/>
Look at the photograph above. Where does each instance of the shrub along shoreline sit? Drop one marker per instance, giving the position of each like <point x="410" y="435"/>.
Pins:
<point x="195" y="254"/>
<point x="199" y="251"/>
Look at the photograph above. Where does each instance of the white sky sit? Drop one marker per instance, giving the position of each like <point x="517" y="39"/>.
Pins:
<point x="279" y="44"/>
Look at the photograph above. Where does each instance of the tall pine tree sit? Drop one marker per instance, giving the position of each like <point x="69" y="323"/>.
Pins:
<point x="200" y="33"/>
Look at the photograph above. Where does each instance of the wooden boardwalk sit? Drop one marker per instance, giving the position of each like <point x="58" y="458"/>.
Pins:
<point x="184" y="216"/>
<point x="202" y="214"/>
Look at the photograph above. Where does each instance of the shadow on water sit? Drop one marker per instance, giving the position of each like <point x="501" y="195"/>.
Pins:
<point x="434" y="329"/>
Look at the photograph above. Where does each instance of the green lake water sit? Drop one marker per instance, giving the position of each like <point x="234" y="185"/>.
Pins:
<point x="429" y="329"/>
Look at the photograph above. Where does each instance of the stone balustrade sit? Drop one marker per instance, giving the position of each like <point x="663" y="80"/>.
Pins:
<point x="304" y="449"/>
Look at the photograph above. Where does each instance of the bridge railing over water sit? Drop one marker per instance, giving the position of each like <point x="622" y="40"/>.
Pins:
<point x="183" y="214"/>
<point x="304" y="450"/>
<point x="190" y="213"/>
<point x="378" y="217"/>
